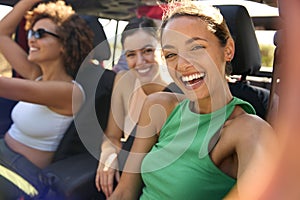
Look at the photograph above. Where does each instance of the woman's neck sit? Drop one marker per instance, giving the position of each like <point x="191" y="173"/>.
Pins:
<point x="55" y="71"/>
<point x="211" y="103"/>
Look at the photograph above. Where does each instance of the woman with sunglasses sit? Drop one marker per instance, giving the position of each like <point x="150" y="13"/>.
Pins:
<point x="58" y="40"/>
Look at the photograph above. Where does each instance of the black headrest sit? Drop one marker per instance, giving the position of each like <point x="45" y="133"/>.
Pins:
<point x="102" y="51"/>
<point x="247" y="58"/>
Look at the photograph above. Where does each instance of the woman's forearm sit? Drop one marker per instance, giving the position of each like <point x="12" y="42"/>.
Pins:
<point x="129" y="187"/>
<point x="110" y="145"/>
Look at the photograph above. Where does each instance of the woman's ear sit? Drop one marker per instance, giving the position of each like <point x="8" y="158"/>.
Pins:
<point x="229" y="50"/>
<point x="62" y="49"/>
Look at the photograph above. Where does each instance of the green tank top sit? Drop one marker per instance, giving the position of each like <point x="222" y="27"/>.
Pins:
<point x="179" y="166"/>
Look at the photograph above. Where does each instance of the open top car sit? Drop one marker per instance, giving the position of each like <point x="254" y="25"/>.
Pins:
<point x="74" y="166"/>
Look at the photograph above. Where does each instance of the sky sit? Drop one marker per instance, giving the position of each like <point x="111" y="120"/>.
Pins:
<point x="4" y="10"/>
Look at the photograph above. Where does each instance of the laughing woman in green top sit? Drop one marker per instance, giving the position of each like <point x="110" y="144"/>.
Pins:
<point x="200" y="146"/>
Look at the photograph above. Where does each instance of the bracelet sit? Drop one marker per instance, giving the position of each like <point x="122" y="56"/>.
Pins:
<point x="109" y="161"/>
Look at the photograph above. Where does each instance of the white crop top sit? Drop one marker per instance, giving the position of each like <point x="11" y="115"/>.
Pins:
<point x="37" y="126"/>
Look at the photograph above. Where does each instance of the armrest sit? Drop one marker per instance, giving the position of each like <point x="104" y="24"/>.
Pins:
<point x="73" y="178"/>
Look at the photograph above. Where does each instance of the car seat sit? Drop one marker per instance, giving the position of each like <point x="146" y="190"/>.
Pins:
<point x="247" y="58"/>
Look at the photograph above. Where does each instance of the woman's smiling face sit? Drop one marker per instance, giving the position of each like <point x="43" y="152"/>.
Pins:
<point x="140" y="52"/>
<point x="47" y="47"/>
<point x="194" y="56"/>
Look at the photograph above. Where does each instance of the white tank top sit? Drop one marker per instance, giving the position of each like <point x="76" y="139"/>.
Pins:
<point x="37" y="126"/>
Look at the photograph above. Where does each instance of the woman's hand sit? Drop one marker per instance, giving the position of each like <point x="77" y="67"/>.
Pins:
<point x="106" y="173"/>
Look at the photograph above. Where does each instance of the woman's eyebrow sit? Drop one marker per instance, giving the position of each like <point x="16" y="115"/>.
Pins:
<point x="193" y="39"/>
<point x="148" y="45"/>
<point x="167" y="46"/>
<point x="144" y="47"/>
<point x="189" y="41"/>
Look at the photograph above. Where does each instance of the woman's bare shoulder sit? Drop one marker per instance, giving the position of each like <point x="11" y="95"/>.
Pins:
<point x="165" y="99"/>
<point x="250" y="123"/>
<point x="124" y="80"/>
<point x="123" y="76"/>
<point x="249" y="129"/>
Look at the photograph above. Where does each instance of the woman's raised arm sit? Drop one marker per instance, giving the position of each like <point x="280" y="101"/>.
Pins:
<point x="13" y="52"/>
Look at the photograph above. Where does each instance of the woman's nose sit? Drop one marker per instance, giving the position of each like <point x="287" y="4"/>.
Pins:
<point x="183" y="63"/>
<point x="31" y="39"/>
<point x="140" y="58"/>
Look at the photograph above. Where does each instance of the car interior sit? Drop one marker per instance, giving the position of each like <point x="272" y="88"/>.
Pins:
<point x="74" y="166"/>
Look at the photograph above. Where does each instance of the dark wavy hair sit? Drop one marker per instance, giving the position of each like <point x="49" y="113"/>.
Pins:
<point x="148" y="25"/>
<point x="74" y="33"/>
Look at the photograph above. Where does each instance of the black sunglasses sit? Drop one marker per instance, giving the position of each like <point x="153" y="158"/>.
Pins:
<point x="39" y="33"/>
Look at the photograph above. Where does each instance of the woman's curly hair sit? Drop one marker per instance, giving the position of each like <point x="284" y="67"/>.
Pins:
<point x="74" y="33"/>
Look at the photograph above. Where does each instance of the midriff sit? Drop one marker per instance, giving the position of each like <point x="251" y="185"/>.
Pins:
<point x="37" y="157"/>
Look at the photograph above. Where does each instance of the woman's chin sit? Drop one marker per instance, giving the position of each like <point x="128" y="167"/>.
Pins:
<point x="150" y="77"/>
<point x="32" y="58"/>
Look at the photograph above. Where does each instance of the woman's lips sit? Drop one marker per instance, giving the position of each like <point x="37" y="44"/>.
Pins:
<point x="193" y="81"/>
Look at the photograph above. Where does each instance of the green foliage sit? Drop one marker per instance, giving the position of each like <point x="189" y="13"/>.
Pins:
<point x="267" y="55"/>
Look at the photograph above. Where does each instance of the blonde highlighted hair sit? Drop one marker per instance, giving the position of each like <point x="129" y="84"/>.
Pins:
<point x="209" y="14"/>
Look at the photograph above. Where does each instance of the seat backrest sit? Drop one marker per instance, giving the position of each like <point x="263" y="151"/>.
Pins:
<point x="97" y="83"/>
<point x="247" y="59"/>
<point x="102" y="49"/>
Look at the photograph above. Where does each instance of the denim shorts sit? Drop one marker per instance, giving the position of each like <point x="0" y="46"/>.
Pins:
<point x="15" y="163"/>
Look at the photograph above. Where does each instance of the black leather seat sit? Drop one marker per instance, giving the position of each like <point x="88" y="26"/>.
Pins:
<point x="247" y="58"/>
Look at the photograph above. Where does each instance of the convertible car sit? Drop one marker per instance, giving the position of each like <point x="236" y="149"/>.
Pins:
<point x="73" y="169"/>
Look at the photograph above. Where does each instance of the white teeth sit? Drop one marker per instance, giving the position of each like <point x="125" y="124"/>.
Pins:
<point x="33" y="49"/>
<point x="193" y="76"/>
<point x="143" y="71"/>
